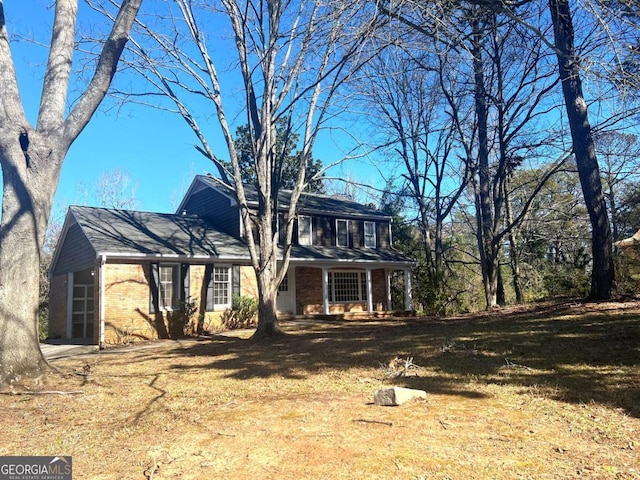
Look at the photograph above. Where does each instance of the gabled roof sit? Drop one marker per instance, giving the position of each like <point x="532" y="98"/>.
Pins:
<point x="310" y="203"/>
<point x="126" y="233"/>
<point x="90" y="233"/>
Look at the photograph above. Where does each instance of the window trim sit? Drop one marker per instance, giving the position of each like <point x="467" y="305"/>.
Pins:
<point x="348" y="231"/>
<point x="373" y="235"/>
<point x="362" y="287"/>
<point x="175" y="286"/>
<point x="211" y="305"/>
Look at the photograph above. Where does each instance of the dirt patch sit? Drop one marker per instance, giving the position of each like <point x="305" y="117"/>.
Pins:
<point x="545" y="392"/>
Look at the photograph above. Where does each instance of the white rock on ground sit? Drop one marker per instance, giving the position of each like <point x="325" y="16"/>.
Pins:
<point x="396" y="396"/>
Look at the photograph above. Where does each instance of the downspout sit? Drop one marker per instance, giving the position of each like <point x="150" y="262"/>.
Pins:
<point x="103" y="261"/>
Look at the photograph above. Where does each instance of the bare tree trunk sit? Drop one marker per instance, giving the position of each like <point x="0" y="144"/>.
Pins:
<point x="269" y="325"/>
<point x="26" y="203"/>
<point x="31" y="161"/>
<point x="488" y="253"/>
<point x="513" y="246"/>
<point x="602" y="274"/>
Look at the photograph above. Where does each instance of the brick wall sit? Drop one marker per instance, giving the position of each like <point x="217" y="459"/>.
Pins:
<point x="127" y="316"/>
<point x="308" y="290"/>
<point x="248" y="282"/>
<point x="309" y="293"/>
<point x="127" y="302"/>
<point x="379" y="281"/>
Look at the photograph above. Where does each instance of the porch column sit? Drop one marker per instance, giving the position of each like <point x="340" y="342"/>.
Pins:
<point x="325" y="289"/>
<point x="101" y="300"/>
<point x="369" y="292"/>
<point x="408" y="299"/>
<point x="388" y="277"/>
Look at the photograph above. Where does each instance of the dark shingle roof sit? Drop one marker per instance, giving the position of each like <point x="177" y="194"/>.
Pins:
<point x="132" y="233"/>
<point x="124" y="232"/>
<point x="308" y="203"/>
<point x="347" y="255"/>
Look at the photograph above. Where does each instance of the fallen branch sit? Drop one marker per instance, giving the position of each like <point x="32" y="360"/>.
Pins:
<point x="44" y="392"/>
<point x="378" y="422"/>
<point x="400" y="367"/>
<point x="510" y="364"/>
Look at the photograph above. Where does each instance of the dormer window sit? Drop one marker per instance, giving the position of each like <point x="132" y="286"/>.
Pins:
<point x="304" y="230"/>
<point x="342" y="233"/>
<point x="370" y="234"/>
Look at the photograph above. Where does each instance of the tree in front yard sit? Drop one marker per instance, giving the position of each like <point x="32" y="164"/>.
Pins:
<point x="289" y="61"/>
<point x="31" y="158"/>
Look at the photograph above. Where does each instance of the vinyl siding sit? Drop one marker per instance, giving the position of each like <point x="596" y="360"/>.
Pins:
<point x="215" y="207"/>
<point x="76" y="254"/>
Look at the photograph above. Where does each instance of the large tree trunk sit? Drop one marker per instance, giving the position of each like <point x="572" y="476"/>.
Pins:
<point x="268" y="324"/>
<point x="602" y="274"/>
<point x="31" y="160"/>
<point x="26" y="203"/>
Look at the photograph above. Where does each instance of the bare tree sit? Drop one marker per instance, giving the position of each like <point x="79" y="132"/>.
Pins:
<point x="31" y="158"/>
<point x="115" y="189"/>
<point x="291" y="57"/>
<point x="420" y="140"/>
<point x="602" y="274"/>
<point x="620" y="170"/>
<point x="494" y="76"/>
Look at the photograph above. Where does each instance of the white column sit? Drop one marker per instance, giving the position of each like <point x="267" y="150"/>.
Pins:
<point x="369" y="292"/>
<point x="388" y="277"/>
<point x="325" y="289"/>
<point x="408" y="299"/>
<point x="101" y="299"/>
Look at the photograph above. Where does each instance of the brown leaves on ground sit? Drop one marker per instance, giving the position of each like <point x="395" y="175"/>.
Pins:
<point x="551" y="391"/>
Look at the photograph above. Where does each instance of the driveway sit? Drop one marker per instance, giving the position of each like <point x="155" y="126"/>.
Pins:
<point x="54" y="351"/>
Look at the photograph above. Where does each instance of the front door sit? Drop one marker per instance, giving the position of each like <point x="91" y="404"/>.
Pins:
<point x="284" y="303"/>
<point x="83" y="305"/>
<point x="83" y="311"/>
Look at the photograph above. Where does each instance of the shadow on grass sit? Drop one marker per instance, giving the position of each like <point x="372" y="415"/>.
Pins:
<point x="561" y="351"/>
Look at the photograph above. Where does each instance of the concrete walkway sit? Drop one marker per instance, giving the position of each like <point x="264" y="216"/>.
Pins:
<point x="54" y="351"/>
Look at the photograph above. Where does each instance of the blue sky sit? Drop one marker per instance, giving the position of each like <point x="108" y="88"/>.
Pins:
<point x="155" y="148"/>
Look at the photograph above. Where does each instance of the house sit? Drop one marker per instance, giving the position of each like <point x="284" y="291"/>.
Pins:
<point x="630" y="246"/>
<point x="121" y="275"/>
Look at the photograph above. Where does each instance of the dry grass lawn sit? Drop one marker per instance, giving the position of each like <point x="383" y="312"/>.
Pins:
<point x="545" y="392"/>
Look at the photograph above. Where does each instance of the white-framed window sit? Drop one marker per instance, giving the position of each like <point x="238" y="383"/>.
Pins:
<point x="342" y="233"/>
<point x="305" y="230"/>
<point x="219" y="288"/>
<point x="346" y="286"/>
<point x="284" y="284"/>
<point x="167" y="286"/>
<point x="370" y="234"/>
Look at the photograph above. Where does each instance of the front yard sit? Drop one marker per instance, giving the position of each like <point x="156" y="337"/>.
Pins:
<point x="551" y="391"/>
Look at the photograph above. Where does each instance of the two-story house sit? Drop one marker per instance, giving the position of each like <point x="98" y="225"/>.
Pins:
<point x="120" y="274"/>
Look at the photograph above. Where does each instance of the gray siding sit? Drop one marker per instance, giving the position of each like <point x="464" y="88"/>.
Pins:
<point x="382" y="234"/>
<point x="214" y="207"/>
<point x="325" y="234"/>
<point x="76" y="254"/>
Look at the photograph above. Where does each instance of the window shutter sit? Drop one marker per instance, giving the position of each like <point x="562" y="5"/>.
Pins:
<point x="208" y="287"/>
<point x="235" y="280"/>
<point x="154" y="279"/>
<point x="185" y="282"/>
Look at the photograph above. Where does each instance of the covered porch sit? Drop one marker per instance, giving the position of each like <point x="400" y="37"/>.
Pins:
<point x="344" y="290"/>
